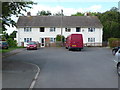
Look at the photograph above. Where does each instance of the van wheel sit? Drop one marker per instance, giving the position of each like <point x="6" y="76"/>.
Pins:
<point x="69" y="49"/>
<point x="118" y="69"/>
<point x="79" y="49"/>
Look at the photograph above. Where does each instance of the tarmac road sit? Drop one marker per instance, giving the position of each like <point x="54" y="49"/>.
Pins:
<point x="60" y="68"/>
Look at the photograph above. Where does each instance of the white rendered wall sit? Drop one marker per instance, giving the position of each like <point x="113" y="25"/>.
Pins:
<point x="35" y="34"/>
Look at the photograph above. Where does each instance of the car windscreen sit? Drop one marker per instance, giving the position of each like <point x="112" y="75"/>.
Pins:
<point x="32" y="43"/>
<point x="4" y="43"/>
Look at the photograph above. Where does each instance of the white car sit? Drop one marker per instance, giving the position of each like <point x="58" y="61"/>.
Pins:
<point x="117" y="55"/>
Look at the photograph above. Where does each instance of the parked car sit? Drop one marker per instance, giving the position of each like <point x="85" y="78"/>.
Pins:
<point x="3" y="45"/>
<point x="117" y="56"/>
<point x="74" y="41"/>
<point x="32" y="45"/>
<point x="115" y="49"/>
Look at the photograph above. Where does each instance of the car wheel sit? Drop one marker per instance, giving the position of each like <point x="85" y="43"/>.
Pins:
<point x="118" y="69"/>
<point x="113" y="52"/>
<point x="66" y="47"/>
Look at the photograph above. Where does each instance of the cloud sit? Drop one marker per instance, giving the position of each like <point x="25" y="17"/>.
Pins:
<point x="66" y="11"/>
<point x="76" y="0"/>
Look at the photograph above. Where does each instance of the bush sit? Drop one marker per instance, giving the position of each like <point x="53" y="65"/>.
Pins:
<point x="58" y="41"/>
<point x="58" y="38"/>
<point x="11" y="42"/>
<point x="114" y="42"/>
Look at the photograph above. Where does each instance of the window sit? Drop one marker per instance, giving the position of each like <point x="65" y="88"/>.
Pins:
<point x="52" y="39"/>
<point x="78" y="29"/>
<point x="27" y="29"/>
<point x="27" y="39"/>
<point x="52" y="29"/>
<point x="91" y="39"/>
<point x="42" y="29"/>
<point x="91" y="29"/>
<point x="67" y="29"/>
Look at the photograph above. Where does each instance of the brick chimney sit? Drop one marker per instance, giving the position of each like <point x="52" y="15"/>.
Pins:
<point x="28" y="14"/>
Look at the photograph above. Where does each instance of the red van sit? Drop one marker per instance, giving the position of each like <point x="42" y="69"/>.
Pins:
<point x="74" y="41"/>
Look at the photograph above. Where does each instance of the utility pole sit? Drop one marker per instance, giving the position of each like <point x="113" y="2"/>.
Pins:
<point x="61" y="25"/>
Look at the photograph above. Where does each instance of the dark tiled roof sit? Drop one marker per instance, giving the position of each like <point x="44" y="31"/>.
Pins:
<point x="55" y="21"/>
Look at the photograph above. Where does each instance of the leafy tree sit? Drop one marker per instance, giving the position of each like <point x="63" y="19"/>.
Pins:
<point x="13" y="35"/>
<point x="13" y="8"/>
<point x="111" y="24"/>
<point x="44" y="13"/>
<point x="78" y="14"/>
<point x="58" y="14"/>
<point x="11" y="42"/>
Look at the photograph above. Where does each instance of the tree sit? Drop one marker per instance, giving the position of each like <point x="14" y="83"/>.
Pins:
<point x="13" y="8"/>
<point x="58" y="14"/>
<point x="78" y="14"/>
<point x="111" y="24"/>
<point x="44" y="13"/>
<point x="13" y="35"/>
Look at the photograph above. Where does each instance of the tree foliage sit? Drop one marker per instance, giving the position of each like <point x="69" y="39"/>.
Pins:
<point x="44" y="13"/>
<point x="58" y="38"/>
<point x="58" y="14"/>
<point x="13" y="8"/>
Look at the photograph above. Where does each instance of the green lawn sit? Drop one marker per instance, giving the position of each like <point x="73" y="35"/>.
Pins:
<point x="9" y="49"/>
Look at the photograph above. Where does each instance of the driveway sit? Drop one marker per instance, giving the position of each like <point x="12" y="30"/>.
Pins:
<point x="60" y="68"/>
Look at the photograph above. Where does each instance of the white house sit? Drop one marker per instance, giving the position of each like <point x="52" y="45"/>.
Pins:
<point x="44" y="29"/>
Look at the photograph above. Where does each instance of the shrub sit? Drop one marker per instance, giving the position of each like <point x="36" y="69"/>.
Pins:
<point x="114" y="42"/>
<point x="58" y="38"/>
<point x="11" y="42"/>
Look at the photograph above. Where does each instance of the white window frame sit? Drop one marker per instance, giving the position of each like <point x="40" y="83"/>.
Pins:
<point x="27" y="29"/>
<point x="91" y="29"/>
<point x="26" y="40"/>
<point x="52" y="29"/>
<point x="52" y="40"/>
<point x="91" y="39"/>
<point x="67" y="29"/>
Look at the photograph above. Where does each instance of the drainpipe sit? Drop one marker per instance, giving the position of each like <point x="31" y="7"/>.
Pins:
<point x="61" y="25"/>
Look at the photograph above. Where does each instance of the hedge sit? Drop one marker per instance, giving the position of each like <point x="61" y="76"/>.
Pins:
<point x="114" y="42"/>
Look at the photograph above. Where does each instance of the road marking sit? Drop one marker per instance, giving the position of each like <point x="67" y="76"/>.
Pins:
<point x="115" y="63"/>
<point x="35" y="78"/>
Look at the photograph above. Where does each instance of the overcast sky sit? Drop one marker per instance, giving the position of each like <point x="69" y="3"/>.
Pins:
<point x="71" y="6"/>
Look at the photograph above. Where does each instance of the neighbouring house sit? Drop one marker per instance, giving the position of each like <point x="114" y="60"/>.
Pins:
<point x="44" y="29"/>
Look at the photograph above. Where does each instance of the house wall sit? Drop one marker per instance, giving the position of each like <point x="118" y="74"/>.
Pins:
<point x="35" y="34"/>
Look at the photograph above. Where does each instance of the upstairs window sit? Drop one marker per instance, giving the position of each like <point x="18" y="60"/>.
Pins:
<point x="78" y="29"/>
<point x="52" y="29"/>
<point x="67" y="29"/>
<point x="91" y="29"/>
<point x="27" y="29"/>
<point x="42" y="29"/>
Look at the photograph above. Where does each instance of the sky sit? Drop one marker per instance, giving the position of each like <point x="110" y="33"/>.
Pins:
<point x="70" y="7"/>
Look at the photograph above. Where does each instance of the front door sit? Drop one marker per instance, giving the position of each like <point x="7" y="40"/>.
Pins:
<point x="42" y="42"/>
